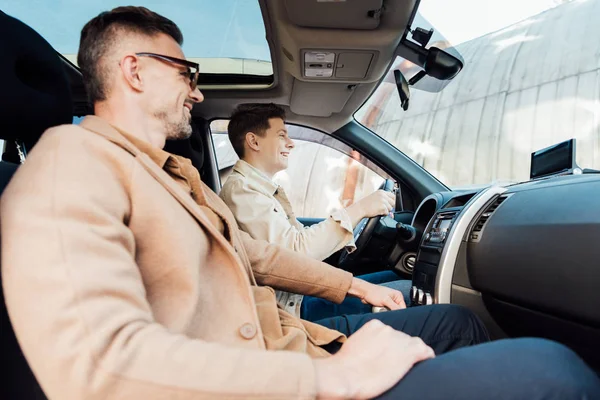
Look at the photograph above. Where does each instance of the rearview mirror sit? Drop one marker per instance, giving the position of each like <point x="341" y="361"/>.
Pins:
<point x="403" y="89"/>
<point x="441" y="65"/>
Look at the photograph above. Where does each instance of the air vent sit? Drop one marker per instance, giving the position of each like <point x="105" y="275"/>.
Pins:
<point x="409" y="262"/>
<point x="476" y="232"/>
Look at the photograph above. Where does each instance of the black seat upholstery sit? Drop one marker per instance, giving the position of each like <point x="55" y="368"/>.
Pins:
<point x="6" y="172"/>
<point x="190" y="148"/>
<point x="35" y="95"/>
<point x="198" y="148"/>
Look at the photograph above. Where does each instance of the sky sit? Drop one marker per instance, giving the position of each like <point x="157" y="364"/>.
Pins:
<point x="211" y="28"/>
<point x="234" y="28"/>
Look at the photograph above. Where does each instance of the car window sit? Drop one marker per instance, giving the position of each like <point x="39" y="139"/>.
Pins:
<point x="318" y="179"/>
<point x="239" y="48"/>
<point x="530" y="80"/>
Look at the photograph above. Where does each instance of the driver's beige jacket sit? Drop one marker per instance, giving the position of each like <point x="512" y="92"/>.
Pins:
<point x="263" y="209"/>
<point x="125" y="277"/>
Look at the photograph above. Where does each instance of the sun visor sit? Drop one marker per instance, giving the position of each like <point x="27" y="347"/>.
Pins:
<point x="319" y="99"/>
<point x="335" y="14"/>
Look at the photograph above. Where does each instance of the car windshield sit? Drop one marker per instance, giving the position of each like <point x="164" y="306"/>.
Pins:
<point x="531" y="79"/>
<point x="237" y="43"/>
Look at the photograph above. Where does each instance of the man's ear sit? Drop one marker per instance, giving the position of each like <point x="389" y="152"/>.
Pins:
<point x="252" y="141"/>
<point x="130" y="69"/>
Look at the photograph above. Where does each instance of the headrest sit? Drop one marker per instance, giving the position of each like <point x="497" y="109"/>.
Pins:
<point x="34" y="90"/>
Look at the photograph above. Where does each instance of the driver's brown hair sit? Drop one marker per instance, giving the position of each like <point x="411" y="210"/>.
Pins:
<point x="251" y="117"/>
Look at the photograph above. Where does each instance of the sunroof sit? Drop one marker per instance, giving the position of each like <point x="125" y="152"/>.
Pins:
<point x="224" y="36"/>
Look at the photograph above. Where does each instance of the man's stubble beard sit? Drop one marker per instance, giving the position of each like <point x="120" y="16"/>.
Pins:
<point x="175" y="129"/>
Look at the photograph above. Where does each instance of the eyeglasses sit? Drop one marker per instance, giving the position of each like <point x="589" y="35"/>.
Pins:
<point x="193" y="68"/>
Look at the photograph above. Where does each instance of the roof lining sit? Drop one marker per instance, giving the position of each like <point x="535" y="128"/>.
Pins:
<point x="284" y="37"/>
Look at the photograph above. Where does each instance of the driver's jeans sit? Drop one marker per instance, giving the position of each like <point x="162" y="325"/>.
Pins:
<point x="314" y="308"/>
<point x="466" y="367"/>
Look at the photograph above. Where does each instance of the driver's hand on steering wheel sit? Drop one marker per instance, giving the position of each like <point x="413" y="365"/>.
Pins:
<point x="377" y="203"/>
<point x="376" y="295"/>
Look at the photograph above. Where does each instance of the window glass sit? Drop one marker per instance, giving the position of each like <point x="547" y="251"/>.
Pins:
<point x="531" y="79"/>
<point x="225" y="36"/>
<point x="318" y="179"/>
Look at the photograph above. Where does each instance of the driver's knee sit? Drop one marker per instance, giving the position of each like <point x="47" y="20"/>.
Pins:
<point x="452" y="326"/>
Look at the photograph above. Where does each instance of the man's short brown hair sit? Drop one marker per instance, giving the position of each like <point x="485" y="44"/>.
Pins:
<point x="101" y="33"/>
<point x="253" y="117"/>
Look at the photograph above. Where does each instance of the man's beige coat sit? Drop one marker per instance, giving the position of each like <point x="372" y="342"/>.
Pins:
<point x="119" y="286"/>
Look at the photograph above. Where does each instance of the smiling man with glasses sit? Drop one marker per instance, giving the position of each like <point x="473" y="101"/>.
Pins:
<point x="141" y="285"/>
<point x="160" y="78"/>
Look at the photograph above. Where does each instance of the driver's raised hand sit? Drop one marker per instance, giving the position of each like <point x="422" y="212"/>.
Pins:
<point x="369" y="363"/>
<point x="377" y="203"/>
<point x="376" y="295"/>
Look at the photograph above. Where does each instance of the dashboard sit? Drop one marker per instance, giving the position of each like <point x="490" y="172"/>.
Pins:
<point x="525" y="258"/>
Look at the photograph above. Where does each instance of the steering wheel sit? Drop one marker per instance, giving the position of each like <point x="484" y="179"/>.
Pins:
<point x="364" y="229"/>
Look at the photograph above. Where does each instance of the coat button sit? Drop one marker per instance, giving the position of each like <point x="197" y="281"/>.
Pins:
<point x="248" y="331"/>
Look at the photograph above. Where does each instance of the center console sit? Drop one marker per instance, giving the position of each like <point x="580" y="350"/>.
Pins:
<point x="429" y="256"/>
<point x="447" y="227"/>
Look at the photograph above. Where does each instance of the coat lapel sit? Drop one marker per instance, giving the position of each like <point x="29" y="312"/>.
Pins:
<point x="102" y="128"/>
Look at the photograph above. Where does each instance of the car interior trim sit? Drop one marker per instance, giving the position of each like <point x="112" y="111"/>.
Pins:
<point x="445" y="272"/>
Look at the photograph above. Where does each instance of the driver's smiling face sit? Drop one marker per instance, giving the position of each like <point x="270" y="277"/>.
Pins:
<point x="275" y="146"/>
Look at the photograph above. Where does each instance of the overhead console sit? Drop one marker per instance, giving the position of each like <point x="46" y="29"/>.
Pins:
<point x="350" y="42"/>
<point x="336" y="64"/>
<point x="329" y="55"/>
<point x="332" y="64"/>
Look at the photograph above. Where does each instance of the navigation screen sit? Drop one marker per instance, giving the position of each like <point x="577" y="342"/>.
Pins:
<point x="553" y="159"/>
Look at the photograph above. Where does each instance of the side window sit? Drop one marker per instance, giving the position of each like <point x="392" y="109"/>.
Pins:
<point x="226" y="156"/>
<point x="319" y="177"/>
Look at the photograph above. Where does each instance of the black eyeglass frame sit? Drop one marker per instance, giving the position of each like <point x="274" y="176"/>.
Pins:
<point x="193" y="75"/>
